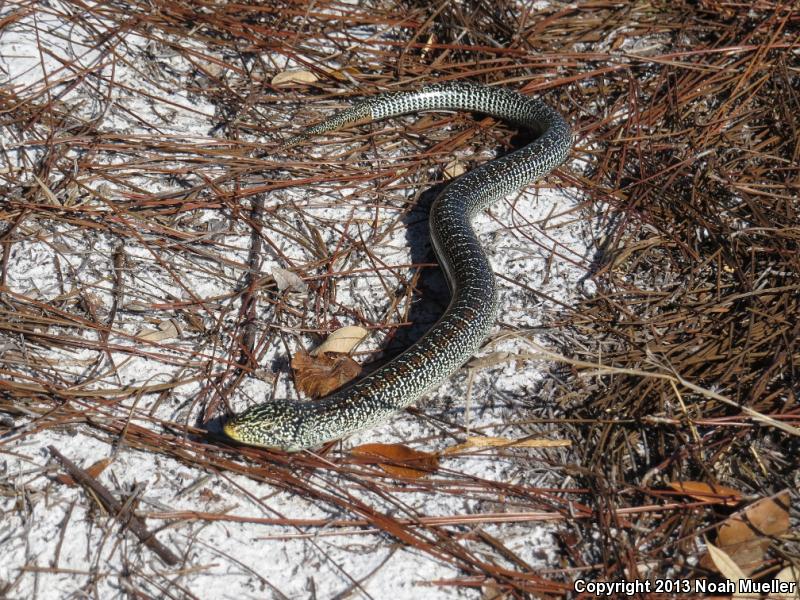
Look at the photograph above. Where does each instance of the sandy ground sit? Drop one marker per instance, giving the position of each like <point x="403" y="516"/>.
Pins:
<point x="57" y="543"/>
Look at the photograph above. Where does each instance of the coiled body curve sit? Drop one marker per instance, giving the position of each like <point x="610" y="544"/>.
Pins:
<point x="472" y="309"/>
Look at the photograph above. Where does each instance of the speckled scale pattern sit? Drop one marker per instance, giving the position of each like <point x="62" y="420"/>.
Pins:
<point x="471" y="313"/>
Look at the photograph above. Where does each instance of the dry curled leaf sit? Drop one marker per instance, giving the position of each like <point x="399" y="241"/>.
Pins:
<point x="770" y="516"/>
<point x="341" y="341"/>
<point x="724" y="563"/>
<point x="345" y="74"/>
<point x="455" y="168"/>
<point x="167" y="329"/>
<point x="746" y="536"/>
<point x="715" y="494"/>
<point x="92" y="303"/>
<point x="195" y="321"/>
<point x="136" y="306"/>
<point x="405" y="462"/>
<point x="287" y="280"/>
<point x="318" y="376"/>
<point x="294" y="76"/>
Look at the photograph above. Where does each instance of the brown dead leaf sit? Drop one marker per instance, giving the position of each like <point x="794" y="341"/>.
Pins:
<point x="746" y="536"/>
<point x="345" y="74"/>
<point x="404" y="461"/>
<point x="92" y="303"/>
<point x="749" y="555"/>
<point x="341" y="341"/>
<point x="167" y="329"/>
<point x="724" y="563"/>
<point x="294" y="76"/>
<point x="318" y="376"/>
<point x="715" y="494"/>
<point x="195" y="321"/>
<point x="770" y="516"/>
<point x="94" y="471"/>
<point x="136" y="306"/>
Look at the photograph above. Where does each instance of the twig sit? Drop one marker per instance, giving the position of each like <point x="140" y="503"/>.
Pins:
<point x="124" y="516"/>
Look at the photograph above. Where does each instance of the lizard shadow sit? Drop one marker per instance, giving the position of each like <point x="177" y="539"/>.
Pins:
<point x="431" y="297"/>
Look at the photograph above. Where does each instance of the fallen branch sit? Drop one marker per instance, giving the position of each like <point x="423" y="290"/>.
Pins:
<point x="115" y="507"/>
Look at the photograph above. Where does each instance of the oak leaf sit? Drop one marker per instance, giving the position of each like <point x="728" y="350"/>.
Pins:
<point x="403" y="462"/>
<point x="318" y="376"/>
<point x="714" y="494"/>
<point x="746" y="536"/>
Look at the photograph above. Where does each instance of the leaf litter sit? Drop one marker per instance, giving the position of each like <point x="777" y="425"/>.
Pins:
<point x="663" y="283"/>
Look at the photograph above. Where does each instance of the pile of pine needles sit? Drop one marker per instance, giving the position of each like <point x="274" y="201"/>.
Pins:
<point x="683" y="365"/>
